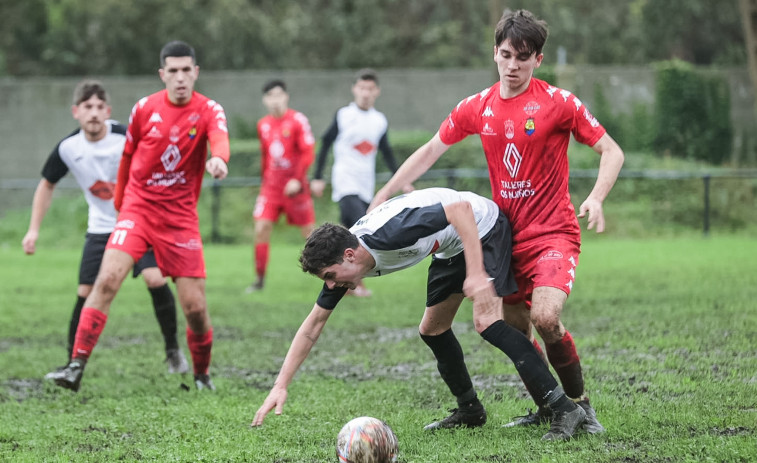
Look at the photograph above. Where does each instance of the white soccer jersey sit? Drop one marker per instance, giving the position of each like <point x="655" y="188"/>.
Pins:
<point x="355" y="147"/>
<point x="406" y="229"/>
<point x="94" y="165"/>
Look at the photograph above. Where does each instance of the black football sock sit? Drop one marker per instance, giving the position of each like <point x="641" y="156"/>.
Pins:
<point x="451" y="365"/>
<point x="165" y="311"/>
<point x="74" y="323"/>
<point x="532" y="370"/>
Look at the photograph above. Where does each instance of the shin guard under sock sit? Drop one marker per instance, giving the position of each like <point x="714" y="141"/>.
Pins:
<point x="261" y="259"/>
<point x="200" y="346"/>
<point x="74" y="323"/>
<point x="564" y="359"/>
<point x="451" y="365"/>
<point x="165" y="311"/>
<point x="91" y="324"/>
<point x="532" y="370"/>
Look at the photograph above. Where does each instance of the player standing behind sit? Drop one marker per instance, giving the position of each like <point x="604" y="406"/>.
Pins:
<point x="358" y="132"/>
<point x="92" y="153"/>
<point x="286" y="147"/>
<point x="469" y="238"/>
<point x="525" y="126"/>
<point x="159" y="182"/>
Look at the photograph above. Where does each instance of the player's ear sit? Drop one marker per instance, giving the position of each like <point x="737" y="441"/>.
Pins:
<point x="74" y="111"/>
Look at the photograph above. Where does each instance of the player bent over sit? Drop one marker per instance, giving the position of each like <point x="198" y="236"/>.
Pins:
<point x="401" y="233"/>
<point x="159" y="182"/>
<point x="92" y="153"/>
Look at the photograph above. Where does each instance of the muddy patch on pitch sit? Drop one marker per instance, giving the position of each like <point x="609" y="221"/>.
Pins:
<point x="21" y="389"/>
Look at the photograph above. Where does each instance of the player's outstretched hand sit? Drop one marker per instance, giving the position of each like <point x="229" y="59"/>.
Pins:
<point x="217" y="168"/>
<point x="596" y="216"/>
<point x="292" y="187"/>
<point x="275" y="399"/>
<point x="30" y="242"/>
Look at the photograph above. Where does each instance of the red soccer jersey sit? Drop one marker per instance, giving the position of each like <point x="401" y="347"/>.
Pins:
<point x="525" y="139"/>
<point x="286" y="145"/>
<point x="168" y="145"/>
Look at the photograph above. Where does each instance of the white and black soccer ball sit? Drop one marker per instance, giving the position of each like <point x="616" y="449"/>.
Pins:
<point x="366" y="440"/>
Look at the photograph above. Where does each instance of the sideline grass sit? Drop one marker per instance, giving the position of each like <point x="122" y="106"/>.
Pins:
<point x="667" y="332"/>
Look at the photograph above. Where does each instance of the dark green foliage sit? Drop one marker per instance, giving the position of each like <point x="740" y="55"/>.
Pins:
<point x="692" y="113"/>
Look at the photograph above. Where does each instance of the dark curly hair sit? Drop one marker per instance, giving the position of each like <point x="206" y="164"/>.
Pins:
<point x="325" y="247"/>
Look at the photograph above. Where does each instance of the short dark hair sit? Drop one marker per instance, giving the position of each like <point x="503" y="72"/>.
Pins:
<point x="526" y="33"/>
<point x="366" y="74"/>
<point x="325" y="247"/>
<point x="273" y="83"/>
<point x="176" y="48"/>
<point x="88" y="88"/>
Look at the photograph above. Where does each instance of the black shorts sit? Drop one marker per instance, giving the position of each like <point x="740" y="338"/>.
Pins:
<point x="92" y="257"/>
<point x="351" y="209"/>
<point x="446" y="276"/>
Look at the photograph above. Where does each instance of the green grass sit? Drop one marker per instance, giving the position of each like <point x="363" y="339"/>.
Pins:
<point x="666" y="329"/>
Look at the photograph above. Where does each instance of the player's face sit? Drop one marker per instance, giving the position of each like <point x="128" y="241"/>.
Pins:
<point x="344" y="275"/>
<point x="515" y="69"/>
<point x="92" y="114"/>
<point x="179" y="74"/>
<point x="365" y="93"/>
<point x="276" y="101"/>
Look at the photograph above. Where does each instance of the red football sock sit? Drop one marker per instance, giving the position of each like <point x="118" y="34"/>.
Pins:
<point x="199" y="348"/>
<point x="261" y="258"/>
<point x="91" y="324"/>
<point x="564" y="359"/>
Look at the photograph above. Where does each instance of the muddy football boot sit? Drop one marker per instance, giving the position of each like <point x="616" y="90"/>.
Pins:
<point x="564" y="424"/>
<point x="471" y="416"/>
<point x="70" y="376"/>
<point x="542" y="415"/>
<point x="203" y="382"/>
<point x="591" y="424"/>
<point x="176" y="361"/>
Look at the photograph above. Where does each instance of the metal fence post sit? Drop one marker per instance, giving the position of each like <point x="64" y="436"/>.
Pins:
<point x="706" y="213"/>
<point x="215" y="210"/>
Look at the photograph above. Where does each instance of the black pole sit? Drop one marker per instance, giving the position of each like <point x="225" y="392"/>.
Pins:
<point x="706" y="217"/>
<point x="215" y="208"/>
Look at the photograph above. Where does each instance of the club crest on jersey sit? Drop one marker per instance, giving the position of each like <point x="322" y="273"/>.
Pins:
<point x="194" y="117"/>
<point x="509" y="129"/>
<point x="173" y="134"/>
<point x="192" y="133"/>
<point x="530" y="126"/>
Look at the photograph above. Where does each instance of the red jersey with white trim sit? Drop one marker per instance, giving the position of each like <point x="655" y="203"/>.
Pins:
<point x="287" y="148"/>
<point x="168" y="145"/>
<point x="525" y="139"/>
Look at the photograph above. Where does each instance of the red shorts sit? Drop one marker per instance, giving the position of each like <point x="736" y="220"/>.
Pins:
<point x="178" y="250"/>
<point x="550" y="262"/>
<point x="299" y="208"/>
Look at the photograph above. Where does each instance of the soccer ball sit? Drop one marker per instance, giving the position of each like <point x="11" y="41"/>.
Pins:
<point x="366" y="440"/>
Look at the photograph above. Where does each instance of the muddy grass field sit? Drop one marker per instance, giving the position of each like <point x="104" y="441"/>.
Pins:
<point x="667" y="332"/>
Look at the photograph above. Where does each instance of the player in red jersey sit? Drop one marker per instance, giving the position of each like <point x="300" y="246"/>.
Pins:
<point x="525" y="126"/>
<point x="286" y="146"/>
<point x="159" y="181"/>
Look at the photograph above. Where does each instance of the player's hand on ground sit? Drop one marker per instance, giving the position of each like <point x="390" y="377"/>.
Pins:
<point x="217" y="168"/>
<point x="292" y="187"/>
<point x="275" y="400"/>
<point x="317" y="186"/>
<point x="30" y="242"/>
<point x="596" y="216"/>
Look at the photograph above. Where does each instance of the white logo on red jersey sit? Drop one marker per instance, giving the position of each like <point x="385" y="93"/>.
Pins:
<point x="565" y="94"/>
<point x="125" y="224"/>
<point x="487" y="130"/>
<point x="173" y="134"/>
<point x="170" y="158"/>
<point x="531" y="108"/>
<point x="509" y="129"/>
<point x="551" y="255"/>
<point x="512" y="159"/>
<point x="154" y="133"/>
<point x="484" y="92"/>
<point x="155" y="118"/>
<point x="577" y="102"/>
<point x="194" y="117"/>
<point x="551" y="90"/>
<point x="592" y="120"/>
<point x="488" y="112"/>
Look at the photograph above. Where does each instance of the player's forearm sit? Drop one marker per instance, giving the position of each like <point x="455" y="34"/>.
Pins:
<point x="460" y="215"/>
<point x="610" y="163"/>
<point x="43" y="197"/>
<point x="303" y="342"/>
